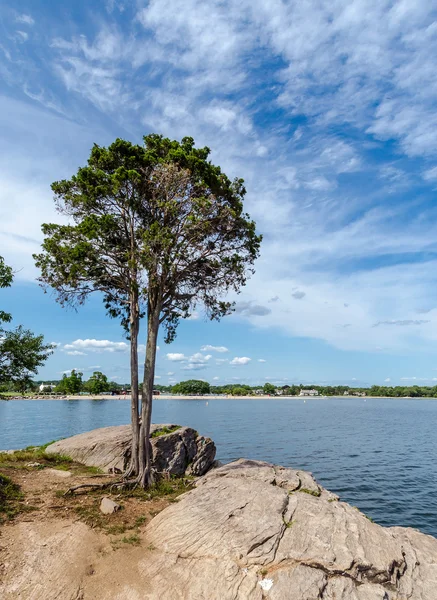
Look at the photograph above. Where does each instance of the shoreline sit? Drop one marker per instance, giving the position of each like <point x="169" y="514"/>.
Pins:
<point x="227" y="397"/>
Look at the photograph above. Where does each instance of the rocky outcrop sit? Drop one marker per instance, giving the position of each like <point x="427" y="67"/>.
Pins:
<point x="253" y="530"/>
<point x="248" y="531"/>
<point x="109" y="449"/>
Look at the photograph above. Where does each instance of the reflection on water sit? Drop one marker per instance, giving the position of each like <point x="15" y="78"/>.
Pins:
<point x="378" y="454"/>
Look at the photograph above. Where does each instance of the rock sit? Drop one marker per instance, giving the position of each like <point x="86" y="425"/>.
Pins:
<point x="34" y="465"/>
<point x="108" y="506"/>
<point x="58" y="473"/>
<point x="203" y="457"/>
<point x="249" y="529"/>
<point x="109" y="449"/>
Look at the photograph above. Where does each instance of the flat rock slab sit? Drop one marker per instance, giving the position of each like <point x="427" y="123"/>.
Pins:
<point x="58" y="473"/>
<point x="109" y="449"/>
<point x="248" y="531"/>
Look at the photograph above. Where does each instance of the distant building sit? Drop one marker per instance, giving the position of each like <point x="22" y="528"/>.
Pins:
<point x="259" y="392"/>
<point x="46" y="387"/>
<point x="308" y="393"/>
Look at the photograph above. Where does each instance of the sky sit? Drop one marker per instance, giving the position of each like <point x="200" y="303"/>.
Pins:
<point x="326" y="109"/>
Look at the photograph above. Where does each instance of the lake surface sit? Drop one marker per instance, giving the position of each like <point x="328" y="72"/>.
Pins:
<point x="377" y="454"/>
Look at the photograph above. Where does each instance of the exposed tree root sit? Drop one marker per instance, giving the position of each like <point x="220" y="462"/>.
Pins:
<point x="124" y="484"/>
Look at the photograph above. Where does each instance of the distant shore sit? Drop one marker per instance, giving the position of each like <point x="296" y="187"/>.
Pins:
<point x="224" y="397"/>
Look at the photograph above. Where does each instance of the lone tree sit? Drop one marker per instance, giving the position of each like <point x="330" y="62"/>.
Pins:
<point x="21" y="351"/>
<point x="158" y="229"/>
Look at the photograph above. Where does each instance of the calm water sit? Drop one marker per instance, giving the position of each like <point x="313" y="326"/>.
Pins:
<point x="376" y="454"/>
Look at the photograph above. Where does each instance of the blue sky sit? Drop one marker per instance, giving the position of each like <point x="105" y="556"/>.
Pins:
<point x="326" y="109"/>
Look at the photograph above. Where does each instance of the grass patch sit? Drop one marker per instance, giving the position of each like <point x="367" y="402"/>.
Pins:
<point x="10" y="498"/>
<point x="314" y="493"/>
<point x="164" y="431"/>
<point x="21" y="459"/>
<point x="133" y="539"/>
<point x="288" y="524"/>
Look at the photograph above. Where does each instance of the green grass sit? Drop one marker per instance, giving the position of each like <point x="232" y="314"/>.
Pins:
<point x="37" y="454"/>
<point x="164" y="431"/>
<point x="133" y="539"/>
<point x="10" y="498"/>
<point x="314" y="493"/>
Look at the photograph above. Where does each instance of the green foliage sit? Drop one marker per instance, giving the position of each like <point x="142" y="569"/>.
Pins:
<point x="269" y="389"/>
<point x="71" y="384"/>
<point x="192" y="387"/>
<point x="159" y="218"/>
<point x="316" y="493"/>
<point x="164" y="431"/>
<point x="10" y="497"/>
<point x="97" y="383"/>
<point x="6" y="278"/>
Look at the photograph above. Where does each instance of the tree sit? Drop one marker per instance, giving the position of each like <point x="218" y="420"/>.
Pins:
<point x="269" y="389"/>
<point x="71" y="384"/>
<point x="97" y="383"/>
<point x="191" y="387"/>
<point x="156" y="226"/>
<point x="21" y="351"/>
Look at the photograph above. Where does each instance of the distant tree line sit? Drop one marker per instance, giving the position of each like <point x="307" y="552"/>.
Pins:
<point x="98" y="383"/>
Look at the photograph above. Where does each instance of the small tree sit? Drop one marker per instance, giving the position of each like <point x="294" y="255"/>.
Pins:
<point x="97" y="383"/>
<point x="21" y="351"/>
<point x="158" y="225"/>
<point x="71" y="384"/>
<point x="269" y="389"/>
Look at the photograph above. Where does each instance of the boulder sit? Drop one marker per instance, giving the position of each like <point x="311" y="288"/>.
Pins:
<point x="109" y="449"/>
<point x="108" y="506"/>
<point x="254" y="530"/>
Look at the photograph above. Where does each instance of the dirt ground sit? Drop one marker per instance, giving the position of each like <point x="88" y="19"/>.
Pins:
<point x="44" y="514"/>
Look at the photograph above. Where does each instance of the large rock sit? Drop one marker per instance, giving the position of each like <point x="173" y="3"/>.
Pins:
<point x="251" y="530"/>
<point x="248" y="531"/>
<point x="109" y="448"/>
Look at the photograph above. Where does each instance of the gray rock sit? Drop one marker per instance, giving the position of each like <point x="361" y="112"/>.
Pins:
<point x="109" y="449"/>
<point x="108" y="506"/>
<point x="249" y="530"/>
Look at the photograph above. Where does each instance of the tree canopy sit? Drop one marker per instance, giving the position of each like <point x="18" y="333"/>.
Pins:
<point x="192" y="387"/>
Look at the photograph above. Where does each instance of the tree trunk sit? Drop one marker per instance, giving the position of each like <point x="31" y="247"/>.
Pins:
<point x="135" y="418"/>
<point x="145" y="476"/>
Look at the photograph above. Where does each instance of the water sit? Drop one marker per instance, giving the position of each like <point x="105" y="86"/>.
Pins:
<point x="377" y="454"/>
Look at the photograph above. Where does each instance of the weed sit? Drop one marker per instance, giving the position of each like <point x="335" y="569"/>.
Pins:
<point x="151" y="547"/>
<point x="140" y="521"/>
<point x="333" y="500"/>
<point x="164" y="431"/>
<point x="288" y="524"/>
<point x="10" y="498"/>
<point x="315" y="493"/>
<point x="134" y="540"/>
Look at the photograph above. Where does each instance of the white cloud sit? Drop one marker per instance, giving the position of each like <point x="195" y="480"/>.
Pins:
<point x="26" y="19"/>
<point x="76" y="353"/>
<point x="208" y="348"/>
<point x="430" y="174"/>
<point x="240" y="360"/>
<point x="261" y="360"/>
<point x="170" y="373"/>
<point x="93" y="345"/>
<point x="387" y="380"/>
<point x="176" y="357"/>
<point x="216" y="378"/>
<point x="23" y="36"/>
